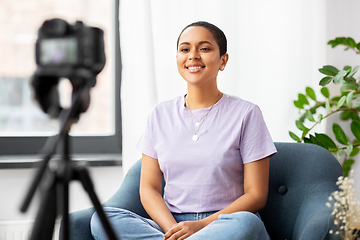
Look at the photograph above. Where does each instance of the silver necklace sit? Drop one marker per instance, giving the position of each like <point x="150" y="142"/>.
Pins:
<point x="198" y="123"/>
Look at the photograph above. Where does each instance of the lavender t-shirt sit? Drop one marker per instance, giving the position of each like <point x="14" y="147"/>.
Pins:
<point x="207" y="174"/>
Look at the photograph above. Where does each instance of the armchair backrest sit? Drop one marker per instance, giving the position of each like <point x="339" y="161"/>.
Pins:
<point x="302" y="177"/>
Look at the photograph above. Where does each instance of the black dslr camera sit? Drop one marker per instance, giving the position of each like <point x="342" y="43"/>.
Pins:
<point x="68" y="51"/>
<point x="61" y="47"/>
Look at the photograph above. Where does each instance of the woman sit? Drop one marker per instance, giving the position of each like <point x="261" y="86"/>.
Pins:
<point x="212" y="149"/>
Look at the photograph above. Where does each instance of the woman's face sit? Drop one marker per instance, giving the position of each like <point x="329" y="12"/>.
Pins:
<point x="198" y="56"/>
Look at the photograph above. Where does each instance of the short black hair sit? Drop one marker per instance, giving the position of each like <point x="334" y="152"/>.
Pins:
<point x="217" y="33"/>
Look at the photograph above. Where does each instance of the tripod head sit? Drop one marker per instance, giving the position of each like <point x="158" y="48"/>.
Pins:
<point x="47" y="94"/>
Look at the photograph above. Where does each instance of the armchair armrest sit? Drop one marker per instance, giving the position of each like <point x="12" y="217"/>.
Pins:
<point x="314" y="219"/>
<point x="317" y="227"/>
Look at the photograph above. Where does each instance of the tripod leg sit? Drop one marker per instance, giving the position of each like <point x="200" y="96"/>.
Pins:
<point x="84" y="177"/>
<point x="45" y="219"/>
<point x="64" y="192"/>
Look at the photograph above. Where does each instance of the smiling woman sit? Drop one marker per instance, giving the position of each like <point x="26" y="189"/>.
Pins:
<point x="212" y="150"/>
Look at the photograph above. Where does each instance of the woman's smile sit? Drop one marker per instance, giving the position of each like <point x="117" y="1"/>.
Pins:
<point x="194" y="68"/>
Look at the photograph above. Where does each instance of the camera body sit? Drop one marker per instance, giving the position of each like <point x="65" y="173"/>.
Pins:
<point x="68" y="51"/>
<point x="62" y="48"/>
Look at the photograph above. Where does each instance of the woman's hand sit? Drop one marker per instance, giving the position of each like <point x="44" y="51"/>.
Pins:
<point x="185" y="229"/>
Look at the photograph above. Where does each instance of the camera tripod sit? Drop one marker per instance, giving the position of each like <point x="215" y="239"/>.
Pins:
<point x="55" y="177"/>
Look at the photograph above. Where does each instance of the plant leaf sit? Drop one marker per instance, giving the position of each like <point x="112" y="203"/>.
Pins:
<point x="339" y="134"/>
<point x="320" y="118"/>
<point x="349" y="98"/>
<point x="336" y="99"/>
<point x="339" y="77"/>
<point x="355" y="129"/>
<point x="325" y="92"/>
<point x="303" y="99"/>
<point x="351" y="42"/>
<point x="314" y="140"/>
<point x="294" y="137"/>
<point x="354" y="151"/>
<point x="347" y="68"/>
<point x="298" y="104"/>
<point x="311" y="93"/>
<point x="341" y="102"/>
<point x="341" y="40"/>
<point x="348" y="86"/>
<point x="300" y="125"/>
<point x="356" y="104"/>
<point x="349" y="149"/>
<point x="339" y="152"/>
<point x="327" y="105"/>
<point x="309" y="115"/>
<point x="355" y="116"/>
<point x="345" y="115"/>
<point x="325" y="81"/>
<point x="347" y="166"/>
<point x="333" y="43"/>
<point x="328" y="143"/>
<point x="353" y="71"/>
<point x="329" y="70"/>
<point x="306" y="131"/>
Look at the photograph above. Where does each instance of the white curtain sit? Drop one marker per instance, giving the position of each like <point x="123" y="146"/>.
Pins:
<point x="275" y="49"/>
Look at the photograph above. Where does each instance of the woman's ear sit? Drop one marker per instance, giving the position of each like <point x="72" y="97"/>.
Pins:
<point x="224" y="60"/>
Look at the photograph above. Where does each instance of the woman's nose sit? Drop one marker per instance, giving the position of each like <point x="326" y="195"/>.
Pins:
<point x="194" y="55"/>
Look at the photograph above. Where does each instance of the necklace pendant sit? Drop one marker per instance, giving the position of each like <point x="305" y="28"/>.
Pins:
<point x="195" y="137"/>
<point x="197" y="124"/>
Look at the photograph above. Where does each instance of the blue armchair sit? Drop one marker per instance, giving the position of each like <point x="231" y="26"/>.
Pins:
<point x="302" y="176"/>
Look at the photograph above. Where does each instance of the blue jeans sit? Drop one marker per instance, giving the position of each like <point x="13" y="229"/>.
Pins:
<point x="130" y="226"/>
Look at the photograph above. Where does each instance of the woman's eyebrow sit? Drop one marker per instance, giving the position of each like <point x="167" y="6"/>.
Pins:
<point x="184" y="43"/>
<point x="201" y="42"/>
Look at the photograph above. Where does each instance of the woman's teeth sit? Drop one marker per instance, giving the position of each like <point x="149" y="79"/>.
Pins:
<point x="191" y="68"/>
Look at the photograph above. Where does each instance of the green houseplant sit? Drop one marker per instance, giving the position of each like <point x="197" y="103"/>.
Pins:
<point x="347" y="103"/>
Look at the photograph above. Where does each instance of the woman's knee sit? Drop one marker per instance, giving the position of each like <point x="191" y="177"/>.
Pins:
<point x="111" y="213"/>
<point x="239" y="225"/>
<point x="248" y="222"/>
<point x="242" y="216"/>
<point x="126" y="224"/>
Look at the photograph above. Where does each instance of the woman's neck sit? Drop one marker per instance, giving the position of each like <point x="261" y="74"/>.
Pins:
<point x="198" y="98"/>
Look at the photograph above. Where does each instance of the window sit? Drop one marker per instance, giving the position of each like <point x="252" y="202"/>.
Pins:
<point x="24" y="128"/>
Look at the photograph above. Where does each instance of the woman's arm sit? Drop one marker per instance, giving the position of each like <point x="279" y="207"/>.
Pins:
<point x="151" y="193"/>
<point x="256" y="185"/>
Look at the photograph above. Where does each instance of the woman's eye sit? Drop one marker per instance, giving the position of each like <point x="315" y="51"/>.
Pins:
<point x="184" y="50"/>
<point x="205" y="49"/>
